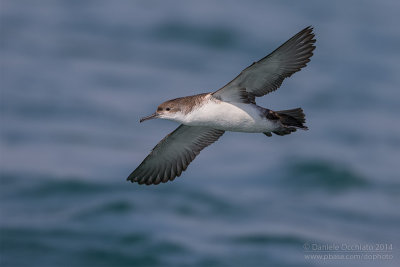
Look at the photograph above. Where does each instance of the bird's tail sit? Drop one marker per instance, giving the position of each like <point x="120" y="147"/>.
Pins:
<point x="291" y="120"/>
<point x="292" y="117"/>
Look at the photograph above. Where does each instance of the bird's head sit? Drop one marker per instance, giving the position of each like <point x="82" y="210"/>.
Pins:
<point x="169" y="110"/>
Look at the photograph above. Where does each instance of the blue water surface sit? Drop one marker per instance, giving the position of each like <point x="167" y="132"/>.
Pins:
<point x="76" y="76"/>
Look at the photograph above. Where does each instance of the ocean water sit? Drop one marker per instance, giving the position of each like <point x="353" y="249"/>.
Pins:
<point x="76" y="76"/>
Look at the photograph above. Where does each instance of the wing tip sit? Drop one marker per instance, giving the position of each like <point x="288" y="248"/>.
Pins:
<point x="150" y="180"/>
<point x="310" y="31"/>
<point x="131" y="178"/>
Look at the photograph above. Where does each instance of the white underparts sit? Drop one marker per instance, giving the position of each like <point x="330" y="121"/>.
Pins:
<point x="236" y="117"/>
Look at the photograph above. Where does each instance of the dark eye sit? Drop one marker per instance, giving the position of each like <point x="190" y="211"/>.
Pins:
<point x="167" y="109"/>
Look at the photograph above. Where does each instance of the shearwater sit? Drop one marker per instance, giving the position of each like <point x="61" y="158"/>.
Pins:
<point x="205" y="117"/>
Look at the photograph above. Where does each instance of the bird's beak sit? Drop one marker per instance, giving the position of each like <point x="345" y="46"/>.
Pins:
<point x="152" y="116"/>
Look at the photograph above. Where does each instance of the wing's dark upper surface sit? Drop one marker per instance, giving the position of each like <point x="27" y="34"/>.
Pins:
<point x="267" y="74"/>
<point x="171" y="156"/>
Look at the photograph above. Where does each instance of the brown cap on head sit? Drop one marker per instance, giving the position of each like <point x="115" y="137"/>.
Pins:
<point x="165" y="108"/>
<point x="169" y="108"/>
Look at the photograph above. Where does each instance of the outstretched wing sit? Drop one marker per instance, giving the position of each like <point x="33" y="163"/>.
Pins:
<point x="267" y="74"/>
<point x="171" y="156"/>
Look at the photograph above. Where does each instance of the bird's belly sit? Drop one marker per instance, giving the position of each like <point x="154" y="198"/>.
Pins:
<point x="230" y="117"/>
